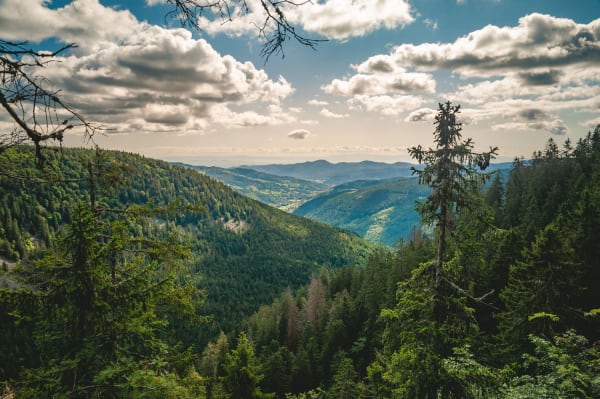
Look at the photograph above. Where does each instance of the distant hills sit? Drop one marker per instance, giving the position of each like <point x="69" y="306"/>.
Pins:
<point x="282" y="192"/>
<point x="334" y="174"/>
<point x="375" y="200"/>
<point x="381" y="211"/>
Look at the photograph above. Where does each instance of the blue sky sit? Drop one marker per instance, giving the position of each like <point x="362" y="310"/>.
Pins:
<point x="522" y="71"/>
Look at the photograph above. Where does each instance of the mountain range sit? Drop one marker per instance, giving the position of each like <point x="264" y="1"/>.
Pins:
<point x="333" y="174"/>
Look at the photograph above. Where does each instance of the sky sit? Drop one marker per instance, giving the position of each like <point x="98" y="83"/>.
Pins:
<point x="522" y="72"/>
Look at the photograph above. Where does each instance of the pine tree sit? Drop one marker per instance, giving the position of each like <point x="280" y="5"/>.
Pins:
<point x="451" y="170"/>
<point x="431" y="315"/>
<point x="243" y="373"/>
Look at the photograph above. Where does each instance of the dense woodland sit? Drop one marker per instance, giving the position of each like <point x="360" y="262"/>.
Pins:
<point x="138" y="280"/>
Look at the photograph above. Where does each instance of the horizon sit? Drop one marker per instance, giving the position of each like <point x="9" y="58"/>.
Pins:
<point x="225" y="164"/>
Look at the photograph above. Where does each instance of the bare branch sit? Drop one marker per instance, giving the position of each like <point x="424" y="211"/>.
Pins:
<point x="462" y="291"/>
<point x="275" y="29"/>
<point x="29" y="99"/>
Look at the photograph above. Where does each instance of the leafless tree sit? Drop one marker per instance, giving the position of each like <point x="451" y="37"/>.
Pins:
<point x="31" y="101"/>
<point x="275" y="29"/>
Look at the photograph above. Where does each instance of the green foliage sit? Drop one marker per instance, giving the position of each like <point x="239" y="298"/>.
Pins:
<point x="105" y="305"/>
<point x="246" y="252"/>
<point x="345" y="380"/>
<point x="282" y="192"/>
<point x="312" y="394"/>
<point x="478" y="381"/>
<point x="98" y="322"/>
<point x="563" y="367"/>
<point x="451" y="169"/>
<point x="242" y="372"/>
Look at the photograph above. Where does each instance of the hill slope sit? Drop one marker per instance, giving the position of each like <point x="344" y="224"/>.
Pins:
<point x="380" y="211"/>
<point x="282" y="192"/>
<point x="246" y="251"/>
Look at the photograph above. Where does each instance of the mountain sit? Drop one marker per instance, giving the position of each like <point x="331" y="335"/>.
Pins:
<point x="334" y="174"/>
<point x="246" y="252"/>
<point x="381" y="211"/>
<point x="282" y="192"/>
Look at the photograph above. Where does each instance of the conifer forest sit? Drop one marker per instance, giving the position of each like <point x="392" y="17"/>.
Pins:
<point x="128" y="277"/>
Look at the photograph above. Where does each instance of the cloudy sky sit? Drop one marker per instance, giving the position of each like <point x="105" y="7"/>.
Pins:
<point x="522" y="71"/>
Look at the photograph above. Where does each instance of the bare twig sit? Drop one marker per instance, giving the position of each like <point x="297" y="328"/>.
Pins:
<point x="464" y="292"/>
<point x="275" y="29"/>
<point x="38" y="112"/>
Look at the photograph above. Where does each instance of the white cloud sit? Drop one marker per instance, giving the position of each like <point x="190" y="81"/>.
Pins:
<point x="591" y="123"/>
<point x="386" y="105"/>
<point x="342" y="19"/>
<point x="317" y="102"/>
<point x="431" y="24"/>
<point x="327" y="113"/>
<point x="556" y="127"/>
<point x="544" y="63"/>
<point x="421" y="115"/>
<point x="400" y="81"/>
<point x="299" y="134"/>
<point x="538" y="44"/>
<point x="85" y="22"/>
<point x="334" y="19"/>
<point x="150" y="78"/>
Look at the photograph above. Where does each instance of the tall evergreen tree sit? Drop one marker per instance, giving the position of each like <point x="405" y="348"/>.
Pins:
<point x="452" y="171"/>
<point x="431" y="316"/>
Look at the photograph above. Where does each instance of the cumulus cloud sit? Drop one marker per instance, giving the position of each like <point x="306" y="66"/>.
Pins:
<point x="543" y="63"/>
<point x="532" y="114"/>
<point x="421" y="115"/>
<point x="556" y="127"/>
<point x="342" y="19"/>
<point x="85" y="22"/>
<point x="152" y="78"/>
<point x="540" y="78"/>
<point x="327" y="113"/>
<point x="299" y="134"/>
<point x="539" y="41"/>
<point x="399" y="81"/>
<point x="334" y="19"/>
<point x="317" y="102"/>
<point x="385" y="105"/>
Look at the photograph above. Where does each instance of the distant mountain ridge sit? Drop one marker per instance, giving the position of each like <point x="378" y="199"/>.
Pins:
<point x="353" y="196"/>
<point x="334" y="174"/>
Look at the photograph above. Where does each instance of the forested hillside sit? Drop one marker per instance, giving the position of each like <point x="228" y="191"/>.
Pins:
<point x="519" y="296"/>
<point x="380" y="211"/>
<point x="101" y="296"/>
<point x="282" y="192"/>
<point x="241" y="253"/>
